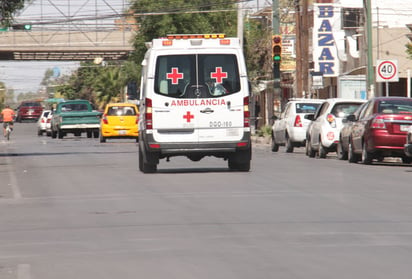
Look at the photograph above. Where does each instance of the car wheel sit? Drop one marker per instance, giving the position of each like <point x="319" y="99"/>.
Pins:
<point x="146" y="167"/>
<point x="309" y="150"/>
<point x="289" y="145"/>
<point x="352" y="157"/>
<point x="275" y="146"/>
<point x="240" y="161"/>
<point x="39" y="132"/>
<point x="102" y="139"/>
<point x="60" y="133"/>
<point x="54" y="134"/>
<point x="366" y="156"/>
<point x="322" y="151"/>
<point x="340" y="153"/>
<point x="89" y="134"/>
<point x="406" y="160"/>
<point x="95" y="134"/>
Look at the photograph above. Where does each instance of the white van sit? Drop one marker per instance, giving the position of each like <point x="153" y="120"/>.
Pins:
<point x="194" y="101"/>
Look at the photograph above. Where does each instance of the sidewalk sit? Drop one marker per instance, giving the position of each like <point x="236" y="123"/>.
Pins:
<point x="261" y="140"/>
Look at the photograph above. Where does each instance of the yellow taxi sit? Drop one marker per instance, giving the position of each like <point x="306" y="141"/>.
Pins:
<point x="119" y="120"/>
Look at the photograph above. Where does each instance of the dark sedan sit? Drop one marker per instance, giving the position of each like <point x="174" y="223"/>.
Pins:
<point x="380" y="130"/>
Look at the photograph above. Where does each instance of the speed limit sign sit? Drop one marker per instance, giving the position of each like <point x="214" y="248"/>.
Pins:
<point x="387" y="71"/>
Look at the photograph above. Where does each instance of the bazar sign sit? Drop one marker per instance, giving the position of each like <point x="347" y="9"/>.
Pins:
<point x="326" y="21"/>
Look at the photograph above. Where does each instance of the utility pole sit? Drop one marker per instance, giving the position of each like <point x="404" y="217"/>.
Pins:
<point x="371" y="77"/>
<point x="305" y="48"/>
<point x="298" y="71"/>
<point x="276" y="64"/>
<point x="240" y="22"/>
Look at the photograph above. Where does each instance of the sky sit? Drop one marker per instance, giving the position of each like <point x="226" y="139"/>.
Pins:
<point x="26" y="76"/>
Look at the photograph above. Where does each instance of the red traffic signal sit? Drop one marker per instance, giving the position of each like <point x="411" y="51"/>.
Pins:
<point x="276" y="48"/>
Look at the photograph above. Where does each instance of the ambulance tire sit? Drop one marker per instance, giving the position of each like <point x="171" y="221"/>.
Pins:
<point x="146" y="167"/>
<point x="240" y="161"/>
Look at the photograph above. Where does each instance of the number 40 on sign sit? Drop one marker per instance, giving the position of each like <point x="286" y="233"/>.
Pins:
<point x="387" y="71"/>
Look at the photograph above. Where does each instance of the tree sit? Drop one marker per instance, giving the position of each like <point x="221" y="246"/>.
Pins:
<point x="7" y="9"/>
<point x="108" y="86"/>
<point x="409" y="50"/>
<point x="181" y="17"/>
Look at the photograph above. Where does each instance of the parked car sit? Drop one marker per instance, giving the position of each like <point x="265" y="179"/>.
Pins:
<point x="323" y="134"/>
<point x="380" y="130"/>
<point x="43" y="124"/>
<point x="29" y="110"/>
<point x="342" y="147"/>
<point x="408" y="144"/>
<point x="119" y="120"/>
<point x="290" y="128"/>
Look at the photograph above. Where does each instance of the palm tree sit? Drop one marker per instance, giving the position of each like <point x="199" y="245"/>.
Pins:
<point x="109" y="86"/>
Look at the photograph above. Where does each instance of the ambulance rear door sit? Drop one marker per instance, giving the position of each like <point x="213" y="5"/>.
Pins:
<point x="198" y="97"/>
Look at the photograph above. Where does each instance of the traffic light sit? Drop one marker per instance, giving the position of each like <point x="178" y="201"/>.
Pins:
<point x="276" y="48"/>
<point x="20" y="26"/>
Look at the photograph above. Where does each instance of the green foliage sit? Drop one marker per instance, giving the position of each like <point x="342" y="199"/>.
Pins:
<point x="257" y="47"/>
<point x="409" y="50"/>
<point x="7" y="9"/>
<point x="180" y="17"/>
<point x="99" y="84"/>
<point x="264" y="131"/>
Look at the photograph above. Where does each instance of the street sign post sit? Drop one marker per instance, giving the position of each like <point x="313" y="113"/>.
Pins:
<point x="387" y="71"/>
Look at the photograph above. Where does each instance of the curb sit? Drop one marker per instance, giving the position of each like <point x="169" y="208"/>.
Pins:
<point x="261" y="140"/>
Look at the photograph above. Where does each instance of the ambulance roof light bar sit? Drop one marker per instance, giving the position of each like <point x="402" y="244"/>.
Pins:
<point x="195" y="36"/>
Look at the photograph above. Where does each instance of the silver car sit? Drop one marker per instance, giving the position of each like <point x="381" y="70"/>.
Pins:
<point x="290" y="128"/>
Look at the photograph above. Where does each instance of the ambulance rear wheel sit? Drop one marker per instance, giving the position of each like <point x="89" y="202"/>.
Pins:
<point x="146" y="167"/>
<point x="240" y="161"/>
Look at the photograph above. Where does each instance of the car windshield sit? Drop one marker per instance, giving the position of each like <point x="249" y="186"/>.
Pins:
<point x="306" y="107"/>
<point x="197" y="75"/>
<point x="342" y="110"/>
<point x="75" y="107"/>
<point x="33" y="104"/>
<point x="395" y="106"/>
<point x="121" y="111"/>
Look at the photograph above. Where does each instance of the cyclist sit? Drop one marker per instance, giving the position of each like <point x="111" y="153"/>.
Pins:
<point x="8" y="116"/>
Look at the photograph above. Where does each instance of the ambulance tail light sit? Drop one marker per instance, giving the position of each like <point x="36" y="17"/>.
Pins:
<point x="149" y="114"/>
<point x="298" y="121"/>
<point x="104" y="119"/>
<point x="246" y="113"/>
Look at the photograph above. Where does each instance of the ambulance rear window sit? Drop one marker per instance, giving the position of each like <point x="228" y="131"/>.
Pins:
<point x="197" y="75"/>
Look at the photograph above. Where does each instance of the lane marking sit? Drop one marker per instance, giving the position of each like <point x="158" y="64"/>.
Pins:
<point x="13" y="180"/>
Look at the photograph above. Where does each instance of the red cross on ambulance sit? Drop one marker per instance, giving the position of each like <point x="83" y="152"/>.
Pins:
<point x="218" y="75"/>
<point x="174" y="75"/>
<point x="188" y="116"/>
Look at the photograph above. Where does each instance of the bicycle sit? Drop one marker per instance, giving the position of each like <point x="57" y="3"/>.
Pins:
<point x="8" y="131"/>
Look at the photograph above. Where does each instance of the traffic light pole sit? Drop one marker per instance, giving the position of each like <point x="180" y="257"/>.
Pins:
<point x="276" y="64"/>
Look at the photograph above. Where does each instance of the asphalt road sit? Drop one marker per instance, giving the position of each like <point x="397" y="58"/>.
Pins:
<point x="76" y="208"/>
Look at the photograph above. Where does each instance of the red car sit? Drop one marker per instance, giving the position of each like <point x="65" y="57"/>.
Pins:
<point x="29" y="110"/>
<point x="380" y="130"/>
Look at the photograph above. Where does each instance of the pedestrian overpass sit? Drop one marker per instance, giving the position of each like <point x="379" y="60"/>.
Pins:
<point x="59" y="30"/>
<point x="65" y="46"/>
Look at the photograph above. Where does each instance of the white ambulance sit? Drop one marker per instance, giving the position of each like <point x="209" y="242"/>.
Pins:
<point x="194" y="101"/>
